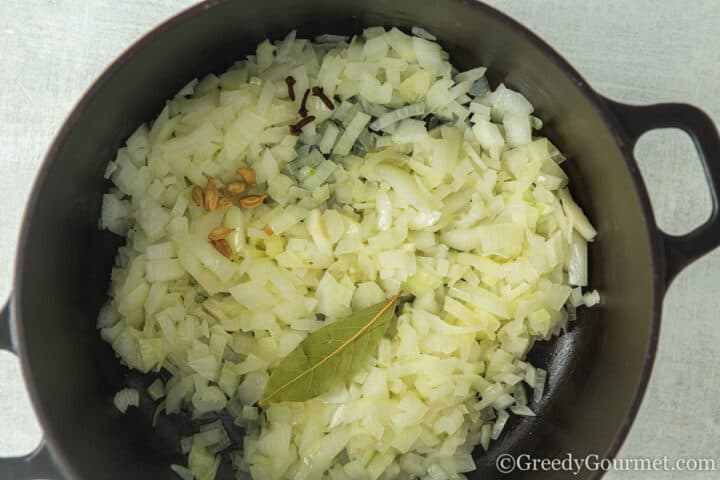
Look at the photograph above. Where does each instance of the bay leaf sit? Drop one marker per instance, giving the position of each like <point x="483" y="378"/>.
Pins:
<point x="330" y="355"/>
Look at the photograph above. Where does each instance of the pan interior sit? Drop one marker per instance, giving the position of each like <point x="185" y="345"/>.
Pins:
<point x="65" y="262"/>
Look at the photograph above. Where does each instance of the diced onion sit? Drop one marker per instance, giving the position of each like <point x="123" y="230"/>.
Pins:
<point x="499" y="424"/>
<point x="328" y="38"/>
<point x="127" y="397"/>
<point x="394" y="116"/>
<point x="351" y="133"/>
<point x="422" y="33"/>
<point x="539" y="384"/>
<point x="578" y="219"/>
<point x="182" y="472"/>
<point x="480" y="87"/>
<point x="591" y="298"/>
<point x="329" y="137"/>
<point x="486" y="433"/>
<point x="577" y="262"/>
<point x="156" y="390"/>
<point x="406" y="176"/>
<point x="522" y="410"/>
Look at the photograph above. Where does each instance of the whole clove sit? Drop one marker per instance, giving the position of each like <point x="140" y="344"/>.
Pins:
<point x="296" y="129"/>
<point x="290" y="81"/>
<point x="303" y="105"/>
<point x="318" y="92"/>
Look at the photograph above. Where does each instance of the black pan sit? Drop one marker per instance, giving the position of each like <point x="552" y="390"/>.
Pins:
<point x="598" y="372"/>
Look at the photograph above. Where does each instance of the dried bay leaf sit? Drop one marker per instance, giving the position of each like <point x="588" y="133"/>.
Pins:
<point x="329" y="355"/>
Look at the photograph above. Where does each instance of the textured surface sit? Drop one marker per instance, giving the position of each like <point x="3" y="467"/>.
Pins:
<point x="638" y="52"/>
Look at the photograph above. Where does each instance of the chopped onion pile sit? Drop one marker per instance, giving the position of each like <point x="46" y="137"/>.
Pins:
<point x="416" y="177"/>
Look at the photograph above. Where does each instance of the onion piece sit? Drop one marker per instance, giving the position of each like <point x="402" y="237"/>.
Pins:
<point x="520" y="395"/>
<point x="577" y="262"/>
<point x="522" y="410"/>
<point x="539" y="384"/>
<point x="156" y="390"/>
<point x="429" y="55"/>
<point x="517" y="129"/>
<point x="485" y="435"/>
<point x="330" y="38"/>
<point x="125" y="398"/>
<point x="591" y="298"/>
<point x="330" y="135"/>
<point x="480" y="87"/>
<point x="422" y="33"/>
<point x="351" y="133"/>
<point x="579" y="221"/>
<point x="396" y="115"/>
<point x="499" y="424"/>
<point x="156" y="414"/>
<point x="182" y="472"/>
<point x="471" y="75"/>
<point x="186" y="444"/>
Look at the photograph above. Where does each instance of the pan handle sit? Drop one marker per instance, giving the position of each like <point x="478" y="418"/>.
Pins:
<point x="35" y="465"/>
<point x="39" y="463"/>
<point x="680" y="250"/>
<point x="6" y="342"/>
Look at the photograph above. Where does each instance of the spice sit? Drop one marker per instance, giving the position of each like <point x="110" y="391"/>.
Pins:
<point x="225" y="202"/>
<point x="234" y="188"/>
<point x="290" y="80"/>
<point x="211" y="195"/>
<point x="219" y="233"/>
<point x="268" y="230"/>
<point x="303" y="105"/>
<point x="197" y="195"/>
<point x="247" y="175"/>
<point x="223" y="247"/>
<point x="318" y="92"/>
<point x="252" y="201"/>
<point x="313" y="367"/>
<point x="297" y="128"/>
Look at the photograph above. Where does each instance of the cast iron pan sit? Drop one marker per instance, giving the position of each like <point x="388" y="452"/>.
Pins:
<point x="598" y="371"/>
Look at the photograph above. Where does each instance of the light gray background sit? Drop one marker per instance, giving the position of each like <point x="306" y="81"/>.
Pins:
<point x="638" y="51"/>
